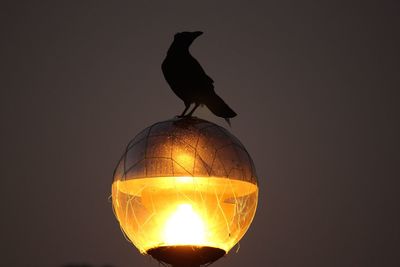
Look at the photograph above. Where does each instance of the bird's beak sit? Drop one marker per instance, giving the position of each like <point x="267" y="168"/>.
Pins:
<point x="197" y="34"/>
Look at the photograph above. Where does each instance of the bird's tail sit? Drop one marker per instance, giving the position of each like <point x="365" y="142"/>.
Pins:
<point x="219" y="107"/>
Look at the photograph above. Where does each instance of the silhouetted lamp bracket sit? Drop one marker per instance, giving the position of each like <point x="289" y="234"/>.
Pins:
<point x="185" y="191"/>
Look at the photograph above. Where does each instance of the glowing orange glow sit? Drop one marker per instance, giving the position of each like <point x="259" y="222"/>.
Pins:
<point x="201" y="211"/>
<point x="185" y="191"/>
<point x="184" y="227"/>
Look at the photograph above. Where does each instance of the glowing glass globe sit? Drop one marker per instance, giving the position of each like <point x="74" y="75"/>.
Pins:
<point x="185" y="190"/>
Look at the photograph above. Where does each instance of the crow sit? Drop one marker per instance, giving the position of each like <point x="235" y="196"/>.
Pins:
<point x="188" y="80"/>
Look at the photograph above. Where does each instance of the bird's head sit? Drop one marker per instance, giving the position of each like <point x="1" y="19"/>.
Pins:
<point x="185" y="39"/>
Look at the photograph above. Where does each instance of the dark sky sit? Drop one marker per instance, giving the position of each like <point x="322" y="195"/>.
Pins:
<point x="315" y="84"/>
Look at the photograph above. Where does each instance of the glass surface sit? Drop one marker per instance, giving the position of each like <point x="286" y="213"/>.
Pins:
<point x="199" y="211"/>
<point x="185" y="181"/>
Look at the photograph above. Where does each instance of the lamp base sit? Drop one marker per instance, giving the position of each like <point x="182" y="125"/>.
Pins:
<point x="186" y="256"/>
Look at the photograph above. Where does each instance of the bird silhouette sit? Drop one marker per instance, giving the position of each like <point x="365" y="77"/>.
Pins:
<point x="189" y="81"/>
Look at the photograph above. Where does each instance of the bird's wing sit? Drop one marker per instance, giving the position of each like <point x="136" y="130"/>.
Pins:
<point x="197" y="73"/>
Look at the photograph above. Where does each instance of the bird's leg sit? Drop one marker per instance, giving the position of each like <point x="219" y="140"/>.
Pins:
<point x="184" y="111"/>
<point x="194" y="108"/>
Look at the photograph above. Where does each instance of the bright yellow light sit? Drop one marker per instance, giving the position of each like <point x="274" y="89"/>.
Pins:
<point x="171" y="211"/>
<point x="185" y="191"/>
<point x="184" y="227"/>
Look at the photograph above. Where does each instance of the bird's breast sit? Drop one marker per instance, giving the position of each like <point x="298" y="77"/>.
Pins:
<point x="186" y="77"/>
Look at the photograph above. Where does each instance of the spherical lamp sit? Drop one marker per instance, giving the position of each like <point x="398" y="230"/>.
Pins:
<point x="185" y="191"/>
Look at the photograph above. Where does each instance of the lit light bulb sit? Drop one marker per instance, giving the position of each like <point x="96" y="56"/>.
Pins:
<point x="184" y="227"/>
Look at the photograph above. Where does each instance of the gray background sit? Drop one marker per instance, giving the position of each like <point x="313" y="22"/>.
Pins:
<point x="315" y="86"/>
